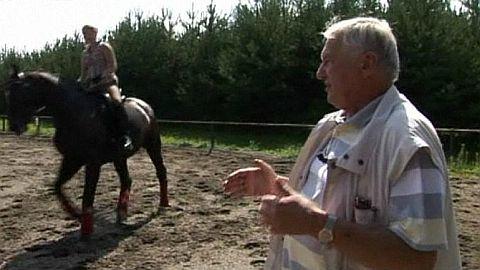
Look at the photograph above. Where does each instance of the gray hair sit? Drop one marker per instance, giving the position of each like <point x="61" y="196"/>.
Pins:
<point x="368" y="34"/>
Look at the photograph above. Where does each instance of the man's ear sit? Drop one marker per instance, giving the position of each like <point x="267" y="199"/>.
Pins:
<point x="369" y="62"/>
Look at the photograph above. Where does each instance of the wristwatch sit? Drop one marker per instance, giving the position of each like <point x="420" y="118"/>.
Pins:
<point x="325" y="236"/>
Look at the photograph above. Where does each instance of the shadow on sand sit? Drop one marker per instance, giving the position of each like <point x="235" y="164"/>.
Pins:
<point x="71" y="252"/>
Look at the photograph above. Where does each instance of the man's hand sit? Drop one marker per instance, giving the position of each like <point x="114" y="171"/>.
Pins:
<point x="253" y="181"/>
<point x="291" y="214"/>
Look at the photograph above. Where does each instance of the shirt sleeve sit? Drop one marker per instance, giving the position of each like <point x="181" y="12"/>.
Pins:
<point x="417" y="204"/>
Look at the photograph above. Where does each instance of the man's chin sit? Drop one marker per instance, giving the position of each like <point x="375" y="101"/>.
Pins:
<point x="332" y="102"/>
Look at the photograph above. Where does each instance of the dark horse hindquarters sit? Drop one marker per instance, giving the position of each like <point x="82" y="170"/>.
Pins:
<point x="82" y="137"/>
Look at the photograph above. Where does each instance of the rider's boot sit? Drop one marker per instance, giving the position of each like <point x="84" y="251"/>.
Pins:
<point x="126" y="143"/>
<point x="121" y="120"/>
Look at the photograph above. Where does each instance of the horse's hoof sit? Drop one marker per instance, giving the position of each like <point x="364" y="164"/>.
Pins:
<point x="72" y="211"/>
<point x="164" y="204"/>
<point x="121" y="215"/>
<point x="85" y="237"/>
<point x="76" y="215"/>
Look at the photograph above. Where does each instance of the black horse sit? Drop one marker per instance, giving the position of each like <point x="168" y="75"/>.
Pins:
<point x="83" y="137"/>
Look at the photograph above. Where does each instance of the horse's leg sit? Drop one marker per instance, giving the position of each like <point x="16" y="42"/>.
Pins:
<point x="92" y="173"/>
<point x="68" y="169"/>
<point x="153" y="145"/>
<point x="125" y="185"/>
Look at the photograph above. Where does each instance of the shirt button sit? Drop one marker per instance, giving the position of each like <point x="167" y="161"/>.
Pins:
<point x="360" y="162"/>
<point x="345" y="156"/>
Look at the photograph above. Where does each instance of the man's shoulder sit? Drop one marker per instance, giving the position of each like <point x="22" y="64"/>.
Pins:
<point x="408" y="126"/>
<point x="406" y="115"/>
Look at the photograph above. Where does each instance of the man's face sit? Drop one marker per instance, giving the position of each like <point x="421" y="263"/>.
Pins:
<point x="90" y="36"/>
<point x="340" y="72"/>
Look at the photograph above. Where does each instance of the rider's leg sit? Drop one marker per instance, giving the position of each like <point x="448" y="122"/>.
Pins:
<point x="114" y="93"/>
<point x="121" y="118"/>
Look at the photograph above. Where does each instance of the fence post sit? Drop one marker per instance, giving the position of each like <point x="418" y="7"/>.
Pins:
<point x="450" y="147"/>
<point x="3" y="124"/>
<point x="37" y="126"/>
<point x="212" y="139"/>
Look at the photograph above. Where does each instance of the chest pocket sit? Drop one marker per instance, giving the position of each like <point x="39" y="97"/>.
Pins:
<point x="349" y="173"/>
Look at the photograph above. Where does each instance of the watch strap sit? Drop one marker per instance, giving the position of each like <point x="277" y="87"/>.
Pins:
<point x="331" y="219"/>
<point x="325" y="235"/>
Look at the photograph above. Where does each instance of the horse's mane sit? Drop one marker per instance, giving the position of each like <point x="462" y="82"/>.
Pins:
<point x="68" y="84"/>
<point x="38" y="74"/>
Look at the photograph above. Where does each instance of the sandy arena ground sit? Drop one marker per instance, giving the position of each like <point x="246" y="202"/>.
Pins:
<point x="202" y="229"/>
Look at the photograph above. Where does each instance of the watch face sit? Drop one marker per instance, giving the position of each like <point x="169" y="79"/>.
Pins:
<point x="325" y="236"/>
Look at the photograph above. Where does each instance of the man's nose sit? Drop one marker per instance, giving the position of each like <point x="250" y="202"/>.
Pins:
<point x="320" y="73"/>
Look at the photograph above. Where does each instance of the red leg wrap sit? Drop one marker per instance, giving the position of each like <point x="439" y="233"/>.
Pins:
<point x="122" y="206"/>
<point x="87" y="222"/>
<point x="124" y="198"/>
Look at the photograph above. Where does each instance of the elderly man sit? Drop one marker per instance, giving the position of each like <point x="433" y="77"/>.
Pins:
<point x="369" y="189"/>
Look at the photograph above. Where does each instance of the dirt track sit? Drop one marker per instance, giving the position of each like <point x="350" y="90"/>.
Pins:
<point x="202" y="229"/>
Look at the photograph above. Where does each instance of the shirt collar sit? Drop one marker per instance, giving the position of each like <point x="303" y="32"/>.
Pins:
<point x="362" y="117"/>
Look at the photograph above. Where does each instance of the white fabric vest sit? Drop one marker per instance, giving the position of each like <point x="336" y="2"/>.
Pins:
<point x="368" y="169"/>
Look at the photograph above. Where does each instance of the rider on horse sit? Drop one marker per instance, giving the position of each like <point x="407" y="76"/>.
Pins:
<point x="98" y="67"/>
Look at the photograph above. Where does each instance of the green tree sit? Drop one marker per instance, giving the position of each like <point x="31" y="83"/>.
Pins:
<point x="146" y="51"/>
<point x="435" y="60"/>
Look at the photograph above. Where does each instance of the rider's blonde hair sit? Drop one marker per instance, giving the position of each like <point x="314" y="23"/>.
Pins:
<point x="87" y="27"/>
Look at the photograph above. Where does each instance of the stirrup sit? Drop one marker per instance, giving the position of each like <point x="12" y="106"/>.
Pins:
<point x="127" y="143"/>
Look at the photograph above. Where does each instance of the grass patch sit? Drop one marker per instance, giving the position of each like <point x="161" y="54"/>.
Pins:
<point x="465" y="163"/>
<point x="281" y="141"/>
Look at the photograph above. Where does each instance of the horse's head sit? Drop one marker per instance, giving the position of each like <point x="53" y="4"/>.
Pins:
<point x="21" y="99"/>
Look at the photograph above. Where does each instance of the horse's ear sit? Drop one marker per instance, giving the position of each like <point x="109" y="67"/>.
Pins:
<point x="13" y="74"/>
